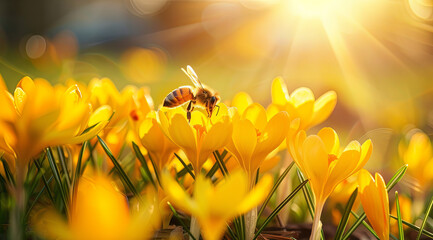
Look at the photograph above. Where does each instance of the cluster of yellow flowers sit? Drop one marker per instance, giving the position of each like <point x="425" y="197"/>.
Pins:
<point x="39" y="115"/>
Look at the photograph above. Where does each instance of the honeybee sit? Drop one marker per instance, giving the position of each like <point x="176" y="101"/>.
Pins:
<point x="199" y="95"/>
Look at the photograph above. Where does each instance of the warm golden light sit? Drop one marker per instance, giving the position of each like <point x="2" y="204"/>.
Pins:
<point x="312" y="8"/>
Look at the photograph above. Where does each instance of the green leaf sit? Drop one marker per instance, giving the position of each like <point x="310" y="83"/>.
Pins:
<point x="185" y="166"/>
<point x="176" y="215"/>
<point x="427" y="213"/>
<point x="155" y="168"/>
<point x="46" y="183"/>
<point x="274" y="189"/>
<point x="56" y="174"/>
<point x="125" y="179"/>
<point x="29" y="209"/>
<point x="370" y="229"/>
<point x="400" y="224"/>
<point x="142" y="160"/>
<point x="9" y="175"/>
<point x="221" y="163"/>
<point x="345" y="218"/>
<point x="414" y="227"/>
<point x="397" y="177"/>
<point x="279" y="207"/>
<point x="61" y="155"/>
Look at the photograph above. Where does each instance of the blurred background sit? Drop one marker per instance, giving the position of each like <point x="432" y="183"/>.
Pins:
<point x="376" y="54"/>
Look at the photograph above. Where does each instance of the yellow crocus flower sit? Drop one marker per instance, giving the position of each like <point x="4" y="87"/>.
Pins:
<point x="153" y="139"/>
<point x="255" y="136"/>
<point x="301" y="104"/>
<point x="100" y="211"/>
<point x="374" y="200"/>
<point x="418" y="154"/>
<point x="198" y="138"/>
<point x="241" y="101"/>
<point x="214" y="206"/>
<point x="39" y="115"/>
<point x="321" y="161"/>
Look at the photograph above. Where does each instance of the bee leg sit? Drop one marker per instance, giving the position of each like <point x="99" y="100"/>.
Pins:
<point x="189" y="109"/>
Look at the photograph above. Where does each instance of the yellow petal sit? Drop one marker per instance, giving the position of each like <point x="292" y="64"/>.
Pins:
<point x="272" y="136"/>
<point x="245" y="140"/>
<point x="241" y="101"/>
<point x="330" y="139"/>
<point x="301" y="96"/>
<point x="366" y="150"/>
<point x="177" y="195"/>
<point x="257" y="115"/>
<point x="315" y="163"/>
<point x="102" y="113"/>
<point x="87" y="135"/>
<point x="280" y="95"/>
<point x="323" y="107"/>
<point x="217" y="137"/>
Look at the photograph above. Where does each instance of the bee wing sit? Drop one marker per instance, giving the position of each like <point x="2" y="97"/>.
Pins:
<point x="193" y="76"/>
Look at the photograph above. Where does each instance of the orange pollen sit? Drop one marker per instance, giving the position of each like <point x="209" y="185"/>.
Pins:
<point x="200" y="130"/>
<point x="134" y="115"/>
<point x="258" y="132"/>
<point x="331" y="158"/>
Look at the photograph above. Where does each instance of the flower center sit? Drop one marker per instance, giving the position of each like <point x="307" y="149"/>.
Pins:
<point x="134" y="115"/>
<point x="331" y="158"/>
<point x="200" y="130"/>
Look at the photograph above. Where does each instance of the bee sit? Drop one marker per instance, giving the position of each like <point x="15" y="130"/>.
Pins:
<point x="199" y="95"/>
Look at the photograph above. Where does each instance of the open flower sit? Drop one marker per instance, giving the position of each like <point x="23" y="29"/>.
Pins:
<point x="214" y="206"/>
<point x="418" y="154"/>
<point x="374" y="200"/>
<point x="255" y="136"/>
<point x="198" y="138"/>
<point x="321" y="161"/>
<point x="153" y="139"/>
<point x="39" y="115"/>
<point x="100" y="212"/>
<point x="301" y="104"/>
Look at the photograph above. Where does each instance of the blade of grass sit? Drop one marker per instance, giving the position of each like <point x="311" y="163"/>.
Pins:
<point x="394" y="180"/>
<point x="400" y="224"/>
<point x="29" y="209"/>
<point x="346" y="214"/>
<point x="142" y="160"/>
<point x="221" y="163"/>
<point x="370" y="229"/>
<point x="61" y="155"/>
<point x="123" y="176"/>
<point x="213" y="170"/>
<point x="185" y="166"/>
<point x="397" y="177"/>
<point x="155" y="169"/>
<point x="57" y="178"/>
<point x="279" y="207"/>
<point x="414" y="227"/>
<point x="274" y="189"/>
<point x="8" y="173"/>
<point x="427" y="213"/>
<point x="46" y="183"/>
<point x="78" y="173"/>
<point x="176" y="215"/>
<point x="184" y="171"/>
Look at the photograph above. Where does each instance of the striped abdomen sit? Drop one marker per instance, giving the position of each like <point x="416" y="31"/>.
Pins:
<point x="178" y="97"/>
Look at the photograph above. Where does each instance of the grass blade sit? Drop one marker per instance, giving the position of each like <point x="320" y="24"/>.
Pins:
<point x="155" y="168"/>
<point x="370" y="229"/>
<point x="46" y="183"/>
<point x="397" y="177"/>
<point x="142" y="160"/>
<point x="61" y="155"/>
<point x="9" y="175"/>
<point x="427" y="213"/>
<point x="279" y="207"/>
<point x="400" y="224"/>
<point x="345" y="218"/>
<point x="221" y="163"/>
<point x="213" y="170"/>
<point x="177" y="216"/>
<point x="274" y="188"/>
<point x="414" y="227"/>
<point x="29" y="209"/>
<point x="307" y="194"/>
<point x="185" y="166"/>
<point x="123" y="176"/>
<point x="57" y="178"/>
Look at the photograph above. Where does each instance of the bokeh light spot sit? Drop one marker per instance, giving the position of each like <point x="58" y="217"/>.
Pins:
<point x="36" y="46"/>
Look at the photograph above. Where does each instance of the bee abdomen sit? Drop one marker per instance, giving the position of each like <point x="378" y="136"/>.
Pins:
<point x="178" y="97"/>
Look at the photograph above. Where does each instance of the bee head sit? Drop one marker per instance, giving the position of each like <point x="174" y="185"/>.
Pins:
<point x="212" y="104"/>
